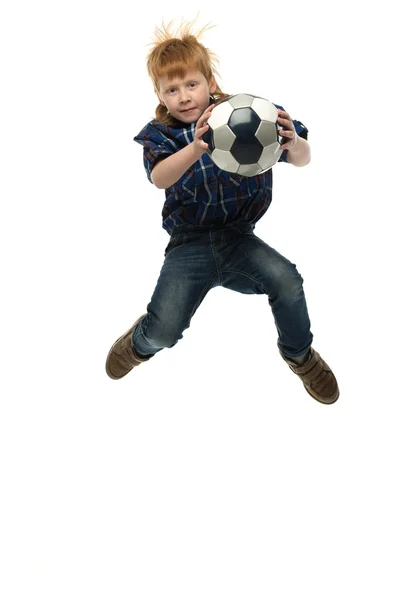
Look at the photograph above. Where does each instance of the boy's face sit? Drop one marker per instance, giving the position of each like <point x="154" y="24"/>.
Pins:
<point x="188" y="97"/>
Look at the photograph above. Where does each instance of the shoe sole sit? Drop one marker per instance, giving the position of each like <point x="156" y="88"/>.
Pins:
<point x="320" y="399"/>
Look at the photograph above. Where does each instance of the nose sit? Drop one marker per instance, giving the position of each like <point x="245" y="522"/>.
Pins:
<point x="184" y="96"/>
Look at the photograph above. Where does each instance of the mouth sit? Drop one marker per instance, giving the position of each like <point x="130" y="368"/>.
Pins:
<point x="187" y="110"/>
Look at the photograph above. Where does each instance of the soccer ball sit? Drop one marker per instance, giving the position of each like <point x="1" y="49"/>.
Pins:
<point x="243" y="135"/>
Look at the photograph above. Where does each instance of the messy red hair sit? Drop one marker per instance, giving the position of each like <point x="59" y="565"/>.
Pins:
<point x="173" y="54"/>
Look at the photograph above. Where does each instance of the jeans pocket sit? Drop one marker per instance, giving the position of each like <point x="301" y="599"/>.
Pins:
<point x="243" y="227"/>
<point x="176" y="240"/>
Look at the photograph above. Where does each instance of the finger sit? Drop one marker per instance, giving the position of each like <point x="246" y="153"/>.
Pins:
<point x="284" y="120"/>
<point x="286" y="133"/>
<point x="201" y="127"/>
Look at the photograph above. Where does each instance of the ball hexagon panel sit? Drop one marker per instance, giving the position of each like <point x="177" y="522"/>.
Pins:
<point x="265" y="109"/>
<point x="223" y="138"/>
<point x="221" y="116"/>
<point x="249" y="170"/>
<point x="241" y="100"/>
<point x="266" y="133"/>
<point x="270" y="156"/>
<point x="225" y="161"/>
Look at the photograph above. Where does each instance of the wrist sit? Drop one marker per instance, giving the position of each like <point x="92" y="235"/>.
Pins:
<point x="197" y="150"/>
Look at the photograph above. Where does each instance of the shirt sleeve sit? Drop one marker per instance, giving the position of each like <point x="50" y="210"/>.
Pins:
<point x="156" y="143"/>
<point x="301" y="131"/>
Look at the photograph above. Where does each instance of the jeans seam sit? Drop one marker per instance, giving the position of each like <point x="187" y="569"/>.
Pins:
<point x="236" y="272"/>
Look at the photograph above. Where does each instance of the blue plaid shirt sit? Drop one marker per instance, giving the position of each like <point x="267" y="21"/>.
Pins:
<point x="205" y="194"/>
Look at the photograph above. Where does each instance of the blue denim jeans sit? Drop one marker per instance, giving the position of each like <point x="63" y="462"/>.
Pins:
<point x="198" y="259"/>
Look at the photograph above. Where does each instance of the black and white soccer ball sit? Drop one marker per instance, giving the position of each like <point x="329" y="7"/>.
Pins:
<point x="243" y="135"/>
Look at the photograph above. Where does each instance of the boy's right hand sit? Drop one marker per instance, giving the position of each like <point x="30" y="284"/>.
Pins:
<point x="201" y="128"/>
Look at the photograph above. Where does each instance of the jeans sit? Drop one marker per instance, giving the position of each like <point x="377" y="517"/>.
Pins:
<point x="198" y="259"/>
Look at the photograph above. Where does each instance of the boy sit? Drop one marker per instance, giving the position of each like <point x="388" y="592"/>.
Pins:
<point x="210" y="215"/>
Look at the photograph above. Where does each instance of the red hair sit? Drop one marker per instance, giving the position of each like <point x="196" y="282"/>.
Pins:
<point x="172" y="55"/>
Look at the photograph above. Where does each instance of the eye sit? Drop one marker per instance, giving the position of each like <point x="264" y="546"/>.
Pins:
<point x="171" y="90"/>
<point x="192" y="83"/>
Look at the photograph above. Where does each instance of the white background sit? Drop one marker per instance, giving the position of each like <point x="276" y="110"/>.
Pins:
<point x="208" y="472"/>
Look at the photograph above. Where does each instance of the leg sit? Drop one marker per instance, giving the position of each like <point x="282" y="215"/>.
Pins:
<point x="256" y="268"/>
<point x="187" y="275"/>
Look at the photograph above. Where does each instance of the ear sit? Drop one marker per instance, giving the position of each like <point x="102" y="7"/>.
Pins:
<point x="212" y="85"/>
<point x="160" y="100"/>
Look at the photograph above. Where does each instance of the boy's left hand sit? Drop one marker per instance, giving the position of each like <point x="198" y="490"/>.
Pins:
<point x="288" y="130"/>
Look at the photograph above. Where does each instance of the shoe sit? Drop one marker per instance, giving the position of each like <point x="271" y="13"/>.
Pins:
<point x="122" y="358"/>
<point x="317" y="377"/>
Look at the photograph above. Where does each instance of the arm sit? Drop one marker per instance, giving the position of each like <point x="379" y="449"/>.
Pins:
<point x="298" y="149"/>
<point x="299" y="155"/>
<point x="168" y="170"/>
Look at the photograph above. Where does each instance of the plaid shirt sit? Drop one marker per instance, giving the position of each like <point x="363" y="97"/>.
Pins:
<point x="205" y="194"/>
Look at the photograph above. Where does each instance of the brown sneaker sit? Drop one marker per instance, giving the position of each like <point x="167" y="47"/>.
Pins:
<point x="122" y="358"/>
<point x="317" y="378"/>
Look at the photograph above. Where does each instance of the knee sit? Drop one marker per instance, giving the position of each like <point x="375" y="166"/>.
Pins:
<point x="162" y="334"/>
<point x="290" y="283"/>
<point x="164" y="339"/>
